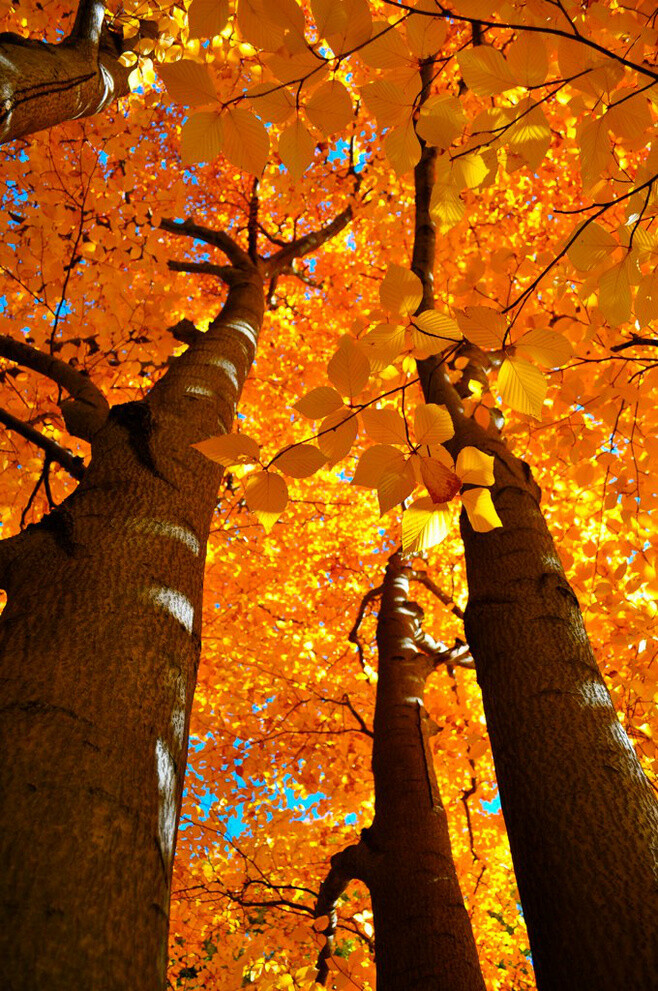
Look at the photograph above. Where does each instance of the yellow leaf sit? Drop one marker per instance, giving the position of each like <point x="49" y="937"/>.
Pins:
<point x="318" y="402"/>
<point x="425" y="35"/>
<point x="300" y="460"/>
<point x="337" y="434"/>
<point x="446" y="206"/>
<point x="485" y="71"/>
<point x="207" y="18"/>
<point x="266" y="495"/>
<point x="401" y="291"/>
<point x="646" y="300"/>
<point x="374" y="462"/>
<point x="330" y="107"/>
<point x="615" y="295"/>
<point x="296" y="147"/>
<point x="480" y="510"/>
<point x="530" y="135"/>
<point x="527" y="59"/>
<point x="394" y="486"/>
<point x="246" y="144"/>
<point x="629" y="116"/>
<point x="402" y="147"/>
<point x="201" y="137"/>
<point x="432" y="332"/>
<point x="483" y="326"/>
<point x="385" y="426"/>
<point x="188" y="83"/>
<point x="522" y="386"/>
<point x="387" y="48"/>
<point x="302" y="68"/>
<point x="424" y="525"/>
<point x="387" y="101"/>
<point x="382" y="345"/>
<point x="329" y="16"/>
<point x="474" y="467"/>
<point x="591" y="246"/>
<point x="257" y="28"/>
<point x="288" y="15"/>
<point x="546" y="347"/>
<point x="229" y="449"/>
<point x="441" y="482"/>
<point x="470" y="170"/>
<point x="478" y="9"/>
<point x="441" y="120"/>
<point x="595" y="149"/>
<point x="271" y="102"/>
<point x="346" y="24"/>
<point x="349" y="369"/>
<point x="432" y="424"/>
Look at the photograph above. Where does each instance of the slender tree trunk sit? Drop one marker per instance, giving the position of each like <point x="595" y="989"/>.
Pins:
<point x="99" y="646"/>
<point x="42" y="84"/>
<point x="423" y="936"/>
<point x="581" y="815"/>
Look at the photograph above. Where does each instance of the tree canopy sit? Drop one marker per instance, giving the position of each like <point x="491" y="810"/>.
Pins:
<point x="294" y="129"/>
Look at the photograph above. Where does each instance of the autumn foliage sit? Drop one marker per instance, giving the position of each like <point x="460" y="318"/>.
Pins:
<point x="295" y="129"/>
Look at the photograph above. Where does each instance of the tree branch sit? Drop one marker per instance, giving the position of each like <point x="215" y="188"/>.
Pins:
<point x="305" y="245"/>
<point x="54" y="451"/>
<point x="185" y="332"/>
<point x="253" y="222"/>
<point x="353" y="635"/>
<point x="348" y="865"/>
<point x="346" y="702"/>
<point x="223" y="272"/>
<point x="218" y="239"/>
<point x="647" y="342"/>
<point x="424" y="579"/>
<point x="88" y="22"/>
<point x="86" y="410"/>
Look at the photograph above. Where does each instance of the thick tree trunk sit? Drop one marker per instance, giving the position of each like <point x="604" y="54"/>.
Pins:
<point x="42" y="85"/>
<point x="423" y="935"/>
<point x="99" y="645"/>
<point x="581" y="816"/>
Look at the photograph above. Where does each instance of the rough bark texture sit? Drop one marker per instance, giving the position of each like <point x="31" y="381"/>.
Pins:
<point x="423" y="935"/>
<point x="99" y="646"/>
<point x="42" y="85"/>
<point x="581" y="816"/>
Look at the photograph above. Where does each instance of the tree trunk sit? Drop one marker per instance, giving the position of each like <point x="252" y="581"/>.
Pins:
<point x="581" y="816"/>
<point x="423" y="935"/>
<point x="99" y="646"/>
<point x="42" y="84"/>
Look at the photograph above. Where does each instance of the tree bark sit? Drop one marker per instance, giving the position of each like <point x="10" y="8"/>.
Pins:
<point x="423" y="935"/>
<point x="42" y="84"/>
<point x="581" y="816"/>
<point x="99" y="646"/>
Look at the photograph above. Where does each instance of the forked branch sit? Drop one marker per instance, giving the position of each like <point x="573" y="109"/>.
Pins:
<point x="218" y="239"/>
<point x="87" y="408"/>
<point x="350" y="864"/>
